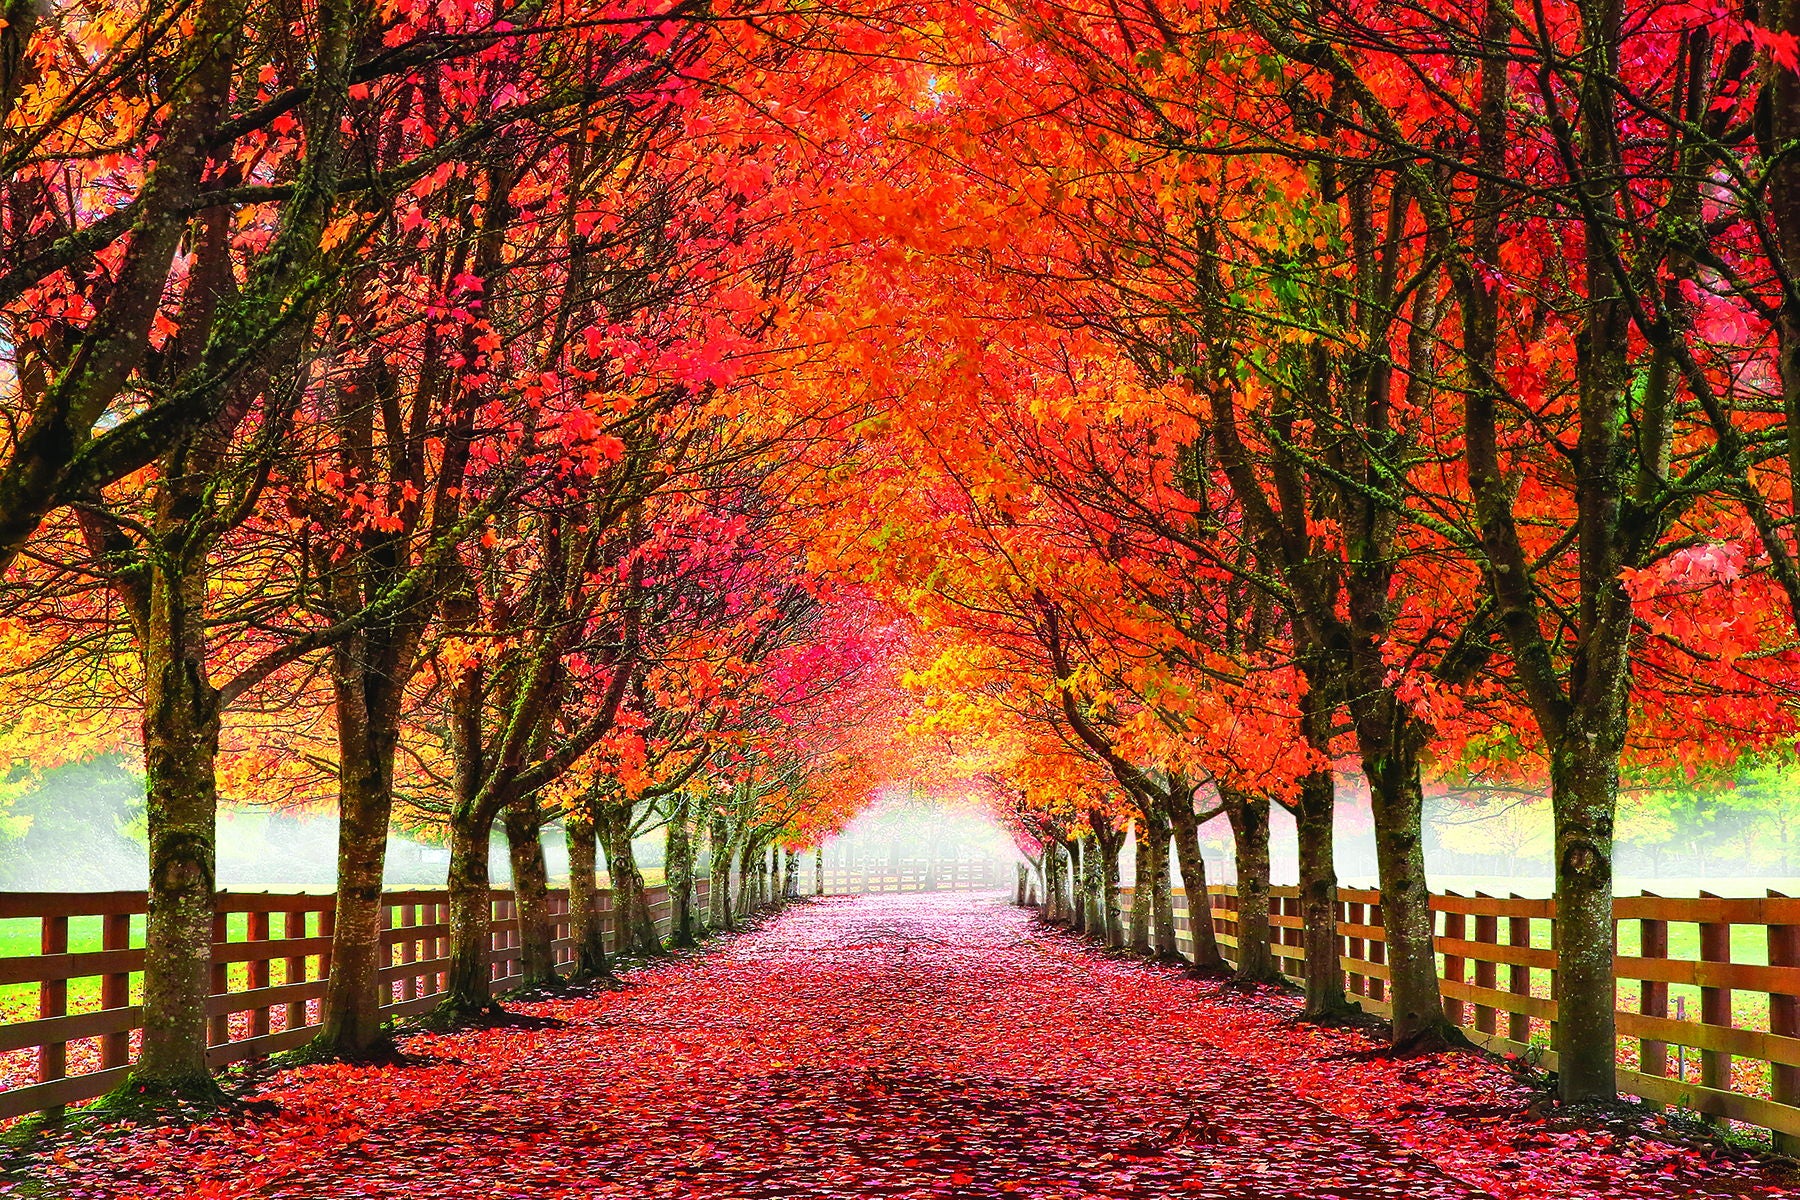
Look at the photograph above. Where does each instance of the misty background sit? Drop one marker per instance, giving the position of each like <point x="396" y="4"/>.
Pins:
<point x="81" y="828"/>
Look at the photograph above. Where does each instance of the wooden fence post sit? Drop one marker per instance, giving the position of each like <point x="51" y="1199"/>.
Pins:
<point x="1455" y="927"/>
<point x="1377" y="954"/>
<point x="409" y="950"/>
<point x="1653" y="995"/>
<point x="218" y="1026"/>
<point x="115" y="990"/>
<point x="258" y="977"/>
<point x="1518" y="976"/>
<point x="293" y="928"/>
<point x="1715" y="1005"/>
<point x="1358" y="948"/>
<point x="1784" y="1021"/>
<point x="1487" y="971"/>
<point x="53" y="998"/>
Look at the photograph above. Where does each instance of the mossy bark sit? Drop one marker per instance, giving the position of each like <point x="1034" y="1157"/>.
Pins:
<point x="678" y="858"/>
<point x="1186" y="830"/>
<point x="633" y="922"/>
<point x="1162" y="899"/>
<point x="181" y="745"/>
<point x="585" y="925"/>
<point x="468" y="983"/>
<point x="523" y="823"/>
<point x="1249" y="816"/>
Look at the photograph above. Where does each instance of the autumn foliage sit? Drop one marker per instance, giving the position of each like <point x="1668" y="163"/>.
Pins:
<point x="484" y="417"/>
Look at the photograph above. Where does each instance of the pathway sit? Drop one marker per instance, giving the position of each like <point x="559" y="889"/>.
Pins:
<point x="920" y="1046"/>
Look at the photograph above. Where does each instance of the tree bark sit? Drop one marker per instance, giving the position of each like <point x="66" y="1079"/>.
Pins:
<point x="181" y="746"/>
<point x="1584" y="794"/>
<point x="633" y="923"/>
<point x="1186" y="826"/>
<point x="523" y="822"/>
<point x="1397" y="800"/>
<point x="366" y="706"/>
<point x="1249" y="816"/>
<point x="468" y="983"/>
<point x="1082" y="872"/>
<point x="1314" y="814"/>
<point x="719" y="855"/>
<point x="819" y="869"/>
<point x="1112" y="921"/>
<point x="1162" y="899"/>
<point x="678" y="857"/>
<point x="585" y="926"/>
<point x="749" y="863"/>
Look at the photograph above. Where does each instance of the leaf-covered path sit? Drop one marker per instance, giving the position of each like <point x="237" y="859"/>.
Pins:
<point x="927" y="1046"/>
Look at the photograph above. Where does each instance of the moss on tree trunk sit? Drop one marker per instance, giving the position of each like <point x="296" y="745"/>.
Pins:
<point x="585" y="926"/>
<point x="523" y="823"/>
<point x="1249" y="816"/>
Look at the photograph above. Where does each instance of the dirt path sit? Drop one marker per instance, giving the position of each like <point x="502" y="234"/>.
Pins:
<point x="919" y="1046"/>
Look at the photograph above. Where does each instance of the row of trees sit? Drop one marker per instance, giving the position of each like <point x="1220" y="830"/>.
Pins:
<point x="1405" y="391"/>
<point x="384" y="429"/>
<point x="501" y="411"/>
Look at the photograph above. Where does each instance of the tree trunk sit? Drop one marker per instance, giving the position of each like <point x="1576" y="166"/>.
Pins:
<point x="1249" y="815"/>
<point x="1397" y="801"/>
<point x="719" y="874"/>
<point x="1081" y="904"/>
<point x="367" y="738"/>
<point x="748" y="858"/>
<point x="1162" y="900"/>
<point x="633" y="923"/>
<point x="181" y="746"/>
<point x="1112" y="920"/>
<point x="1143" y="877"/>
<point x="1584" y="783"/>
<point x="1324" y="979"/>
<point x="1095" y="872"/>
<point x="791" y="888"/>
<point x="531" y="894"/>
<point x="819" y="869"/>
<point x="1024" y="879"/>
<point x="1186" y="826"/>
<point x="468" y="983"/>
<point x="585" y="926"/>
<point x="678" y="857"/>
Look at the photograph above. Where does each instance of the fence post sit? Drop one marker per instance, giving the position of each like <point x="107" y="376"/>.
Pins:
<point x="1653" y="994"/>
<point x="1518" y="976"/>
<point x="1455" y="927"/>
<point x="1377" y="953"/>
<point x="1487" y="972"/>
<point x="218" y="1026"/>
<point x="115" y="990"/>
<point x="1715" y="1005"/>
<point x="409" y="951"/>
<point x="1784" y="1021"/>
<point x="293" y="926"/>
<point x="258" y="977"/>
<point x="1357" y="948"/>
<point x="53" y="998"/>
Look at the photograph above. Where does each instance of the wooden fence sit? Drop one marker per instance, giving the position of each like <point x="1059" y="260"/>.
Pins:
<point x="976" y="876"/>
<point x="270" y="956"/>
<point x="1712" y="1026"/>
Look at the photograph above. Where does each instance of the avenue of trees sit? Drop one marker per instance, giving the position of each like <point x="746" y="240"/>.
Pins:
<point x="691" y="416"/>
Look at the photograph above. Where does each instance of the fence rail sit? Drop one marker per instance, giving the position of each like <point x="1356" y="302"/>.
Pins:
<point x="977" y="876"/>
<point x="270" y="957"/>
<point x="1736" y="1058"/>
